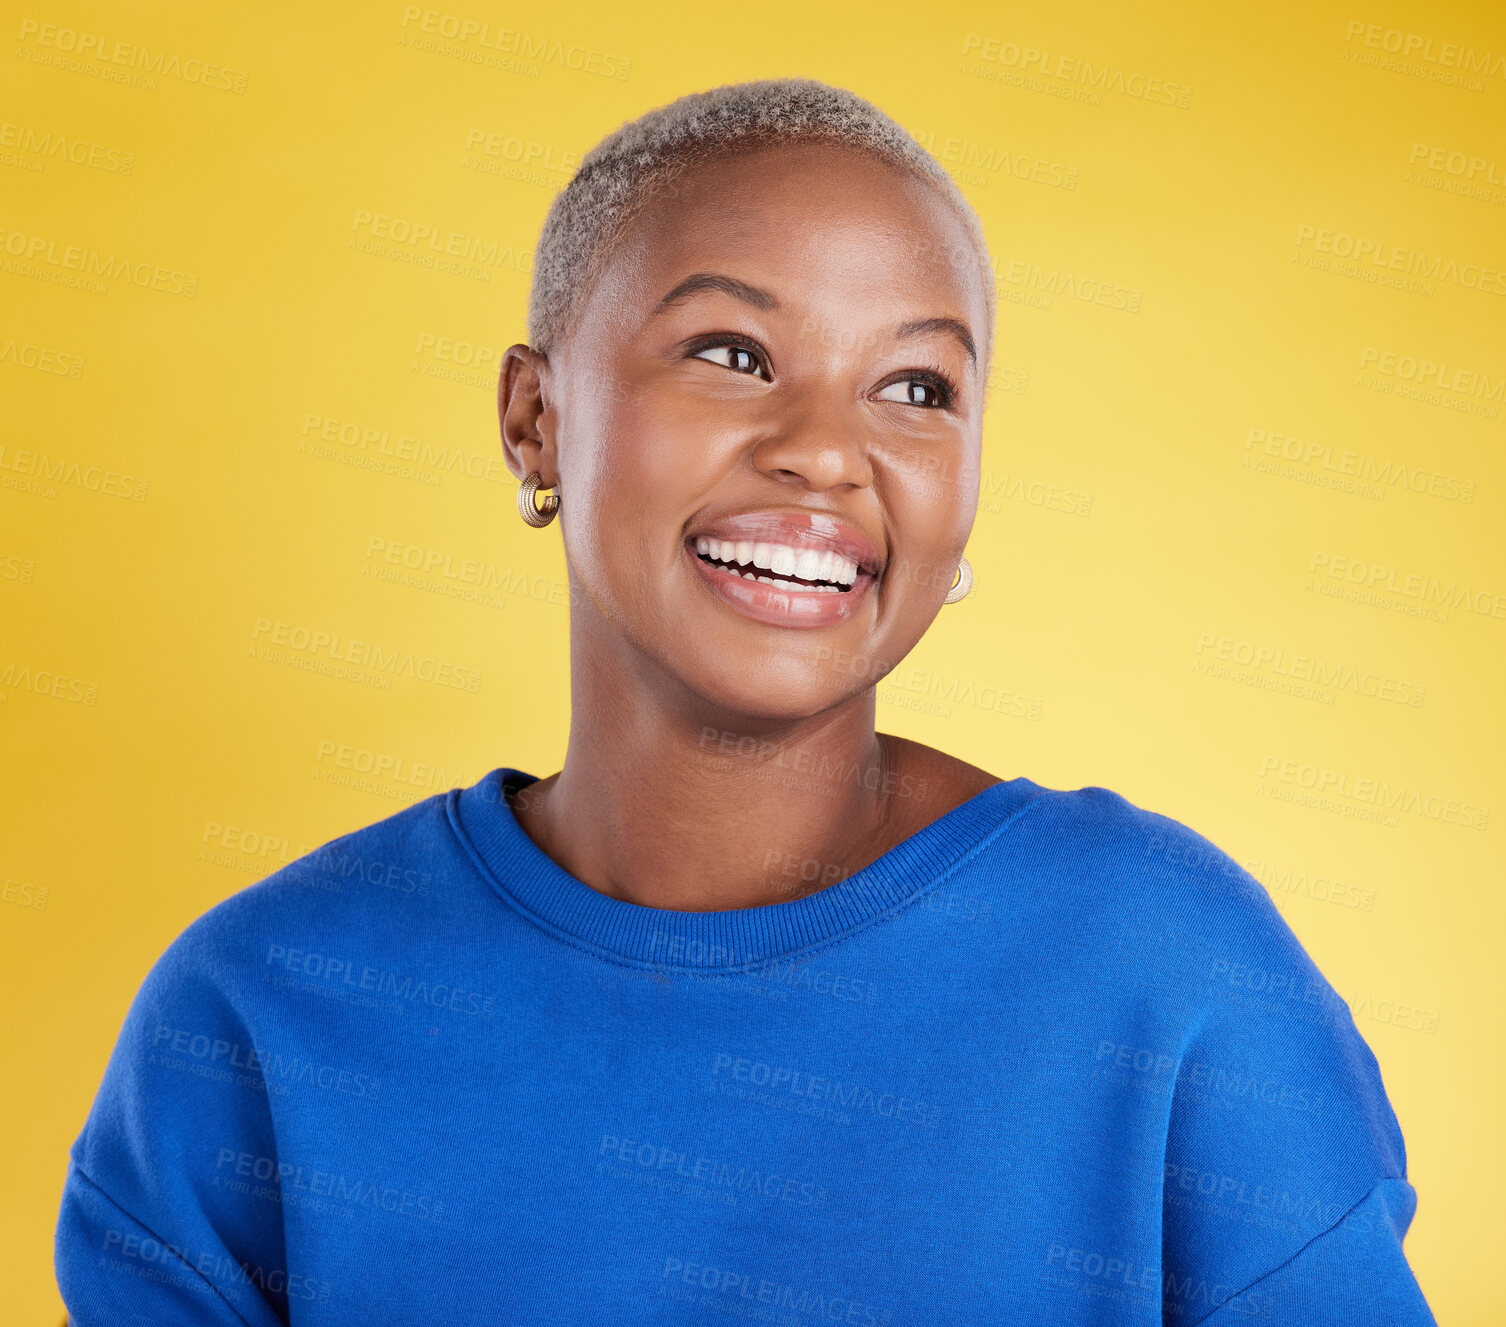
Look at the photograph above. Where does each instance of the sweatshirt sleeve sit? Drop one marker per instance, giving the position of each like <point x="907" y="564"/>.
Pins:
<point x="1285" y="1197"/>
<point x="1353" y="1274"/>
<point x="155" y="1227"/>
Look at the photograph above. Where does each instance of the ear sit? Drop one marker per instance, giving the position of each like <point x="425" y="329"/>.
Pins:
<point x="527" y="414"/>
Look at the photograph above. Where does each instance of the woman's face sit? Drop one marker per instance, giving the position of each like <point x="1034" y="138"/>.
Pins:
<point x="766" y="427"/>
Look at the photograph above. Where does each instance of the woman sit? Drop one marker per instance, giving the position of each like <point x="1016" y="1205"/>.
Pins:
<point x="749" y="1009"/>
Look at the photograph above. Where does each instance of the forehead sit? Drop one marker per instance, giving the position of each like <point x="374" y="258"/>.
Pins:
<point x="824" y="227"/>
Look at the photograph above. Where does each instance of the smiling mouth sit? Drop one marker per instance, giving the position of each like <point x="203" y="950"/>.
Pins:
<point x="780" y="565"/>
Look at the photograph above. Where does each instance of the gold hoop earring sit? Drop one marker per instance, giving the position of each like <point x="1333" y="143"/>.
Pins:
<point x="962" y="584"/>
<point x="535" y="516"/>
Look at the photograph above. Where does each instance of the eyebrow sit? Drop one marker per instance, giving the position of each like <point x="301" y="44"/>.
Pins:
<point x="728" y="285"/>
<point x="925" y="326"/>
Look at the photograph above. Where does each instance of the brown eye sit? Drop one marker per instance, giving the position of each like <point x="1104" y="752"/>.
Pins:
<point x="737" y="358"/>
<point x="911" y="391"/>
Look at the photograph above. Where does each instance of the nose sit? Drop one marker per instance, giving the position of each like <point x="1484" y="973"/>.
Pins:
<point x="819" y="444"/>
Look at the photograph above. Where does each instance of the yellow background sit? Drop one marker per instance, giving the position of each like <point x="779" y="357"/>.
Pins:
<point x="185" y="752"/>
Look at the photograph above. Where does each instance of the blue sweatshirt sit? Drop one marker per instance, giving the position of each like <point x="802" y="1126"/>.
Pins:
<point x="1054" y="1059"/>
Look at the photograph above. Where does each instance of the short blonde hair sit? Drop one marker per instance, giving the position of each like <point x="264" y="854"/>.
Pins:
<point x="622" y="173"/>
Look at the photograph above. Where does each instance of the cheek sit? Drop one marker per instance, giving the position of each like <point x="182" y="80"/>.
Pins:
<point x="931" y="499"/>
<point x="645" y="472"/>
<point x="661" y="458"/>
<point x="940" y="481"/>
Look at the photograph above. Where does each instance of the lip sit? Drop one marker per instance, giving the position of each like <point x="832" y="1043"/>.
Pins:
<point x="770" y="604"/>
<point x="817" y="530"/>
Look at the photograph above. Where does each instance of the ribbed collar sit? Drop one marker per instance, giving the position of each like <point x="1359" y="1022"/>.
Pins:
<point x="728" y="941"/>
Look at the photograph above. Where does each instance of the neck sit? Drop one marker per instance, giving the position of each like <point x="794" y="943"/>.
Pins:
<point x="669" y="801"/>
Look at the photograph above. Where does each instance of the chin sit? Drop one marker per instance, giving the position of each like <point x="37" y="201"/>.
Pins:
<point x="753" y="696"/>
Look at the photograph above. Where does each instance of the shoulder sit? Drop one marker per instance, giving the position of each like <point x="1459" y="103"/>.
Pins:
<point x="1160" y="918"/>
<point x="236" y="1011"/>
<point x="1138" y="864"/>
<point x="382" y="877"/>
<point x="1260" y="1032"/>
<point x="1275" y="1103"/>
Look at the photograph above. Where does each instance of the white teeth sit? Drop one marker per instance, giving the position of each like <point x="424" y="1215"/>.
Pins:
<point x="795" y="585"/>
<point x="784" y="561"/>
<point x="808" y="564"/>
